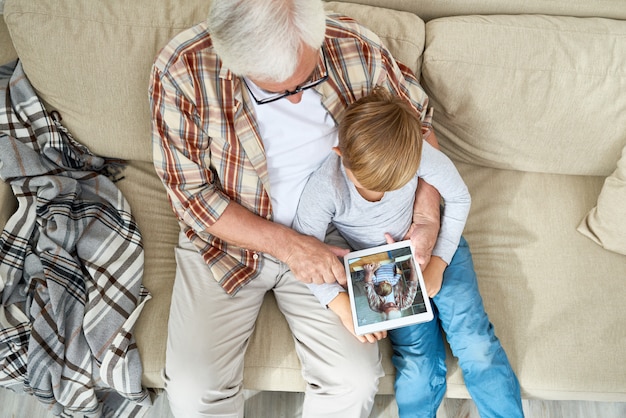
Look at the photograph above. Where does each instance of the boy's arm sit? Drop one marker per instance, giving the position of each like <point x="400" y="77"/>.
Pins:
<point x="326" y="292"/>
<point x="439" y="171"/>
<point x="433" y="276"/>
<point x="341" y="306"/>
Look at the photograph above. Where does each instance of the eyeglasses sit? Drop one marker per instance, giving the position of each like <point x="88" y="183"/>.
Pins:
<point x="298" y="89"/>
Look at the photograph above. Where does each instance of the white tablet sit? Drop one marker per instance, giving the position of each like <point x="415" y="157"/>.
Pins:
<point x="386" y="288"/>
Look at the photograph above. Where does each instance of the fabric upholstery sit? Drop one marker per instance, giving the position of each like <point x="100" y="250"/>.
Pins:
<point x="531" y="109"/>
<point x="536" y="272"/>
<point x="505" y="90"/>
<point x="432" y="9"/>
<point x="159" y="229"/>
<point x="98" y="85"/>
<point x="9" y="203"/>
<point x="605" y="224"/>
<point x="7" y="52"/>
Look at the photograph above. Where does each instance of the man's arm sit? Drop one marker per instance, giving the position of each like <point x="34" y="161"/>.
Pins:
<point x="181" y="149"/>
<point x="309" y="259"/>
<point x="425" y="227"/>
<point x="408" y="296"/>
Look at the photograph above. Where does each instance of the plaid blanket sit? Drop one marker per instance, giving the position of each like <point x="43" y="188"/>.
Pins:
<point x="71" y="264"/>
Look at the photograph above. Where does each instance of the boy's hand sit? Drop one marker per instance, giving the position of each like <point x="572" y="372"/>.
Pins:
<point x="341" y="306"/>
<point x="433" y="276"/>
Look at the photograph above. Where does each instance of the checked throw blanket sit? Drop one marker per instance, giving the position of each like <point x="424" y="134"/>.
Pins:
<point x="71" y="265"/>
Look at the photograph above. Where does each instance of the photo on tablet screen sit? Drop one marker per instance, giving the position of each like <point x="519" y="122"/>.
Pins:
<point x="386" y="288"/>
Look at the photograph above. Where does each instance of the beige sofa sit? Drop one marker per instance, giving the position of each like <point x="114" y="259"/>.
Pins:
<point x="530" y="103"/>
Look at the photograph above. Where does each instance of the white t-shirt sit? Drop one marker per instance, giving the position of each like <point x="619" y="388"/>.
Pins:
<point x="297" y="138"/>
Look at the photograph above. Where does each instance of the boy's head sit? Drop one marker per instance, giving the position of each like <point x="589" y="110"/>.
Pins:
<point x="380" y="141"/>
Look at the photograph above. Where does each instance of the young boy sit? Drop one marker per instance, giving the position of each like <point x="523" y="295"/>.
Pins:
<point x="366" y="190"/>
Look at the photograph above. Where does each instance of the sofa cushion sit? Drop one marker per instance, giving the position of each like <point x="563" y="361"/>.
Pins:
<point x="99" y="85"/>
<point x="556" y="299"/>
<point x="159" y="231"/>
<point x="605" y="224"/>
<point x="512" y="91"/>
<point x="9" y="203"/>
<point x="7" y="52"/>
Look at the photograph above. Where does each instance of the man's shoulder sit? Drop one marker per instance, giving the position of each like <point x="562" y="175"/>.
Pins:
<point x="344" y="27"/>
<point x="190" y="41"/>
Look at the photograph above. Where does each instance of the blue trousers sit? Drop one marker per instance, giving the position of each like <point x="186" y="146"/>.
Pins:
<point x="419" y="352"/>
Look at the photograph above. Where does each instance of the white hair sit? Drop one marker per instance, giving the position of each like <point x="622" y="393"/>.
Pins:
<point x="393" y="314"/>
<point x="262" y="39"/>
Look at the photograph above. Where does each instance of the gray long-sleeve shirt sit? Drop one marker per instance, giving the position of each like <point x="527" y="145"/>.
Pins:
<point x="330" y="196"/>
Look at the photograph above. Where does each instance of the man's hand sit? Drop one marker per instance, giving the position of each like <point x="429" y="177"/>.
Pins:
<point x="312" y="261"/>
<point x="341" y="306"/>
<point x="309" y="259"/>
<point x="421" y="236"/>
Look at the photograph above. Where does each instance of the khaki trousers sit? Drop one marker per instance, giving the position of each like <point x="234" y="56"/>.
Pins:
<point x="209" y="333"/>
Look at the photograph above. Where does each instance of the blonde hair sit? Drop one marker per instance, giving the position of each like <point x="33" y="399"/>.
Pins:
<point x="380" y="140"/>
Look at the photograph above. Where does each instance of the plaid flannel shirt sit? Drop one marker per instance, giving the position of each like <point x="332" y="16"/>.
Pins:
<point x="207" y="148"/>
<point x="404" y="295"/>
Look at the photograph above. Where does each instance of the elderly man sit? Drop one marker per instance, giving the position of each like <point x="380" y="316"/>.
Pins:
<point x="244" y="109"/>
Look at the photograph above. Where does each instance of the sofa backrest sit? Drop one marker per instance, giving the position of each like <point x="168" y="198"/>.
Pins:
<point x="529" y="93"/>
<point x="91" y="60"/>
<point x="516" y="92"/>
<point x="432" y="9"/>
